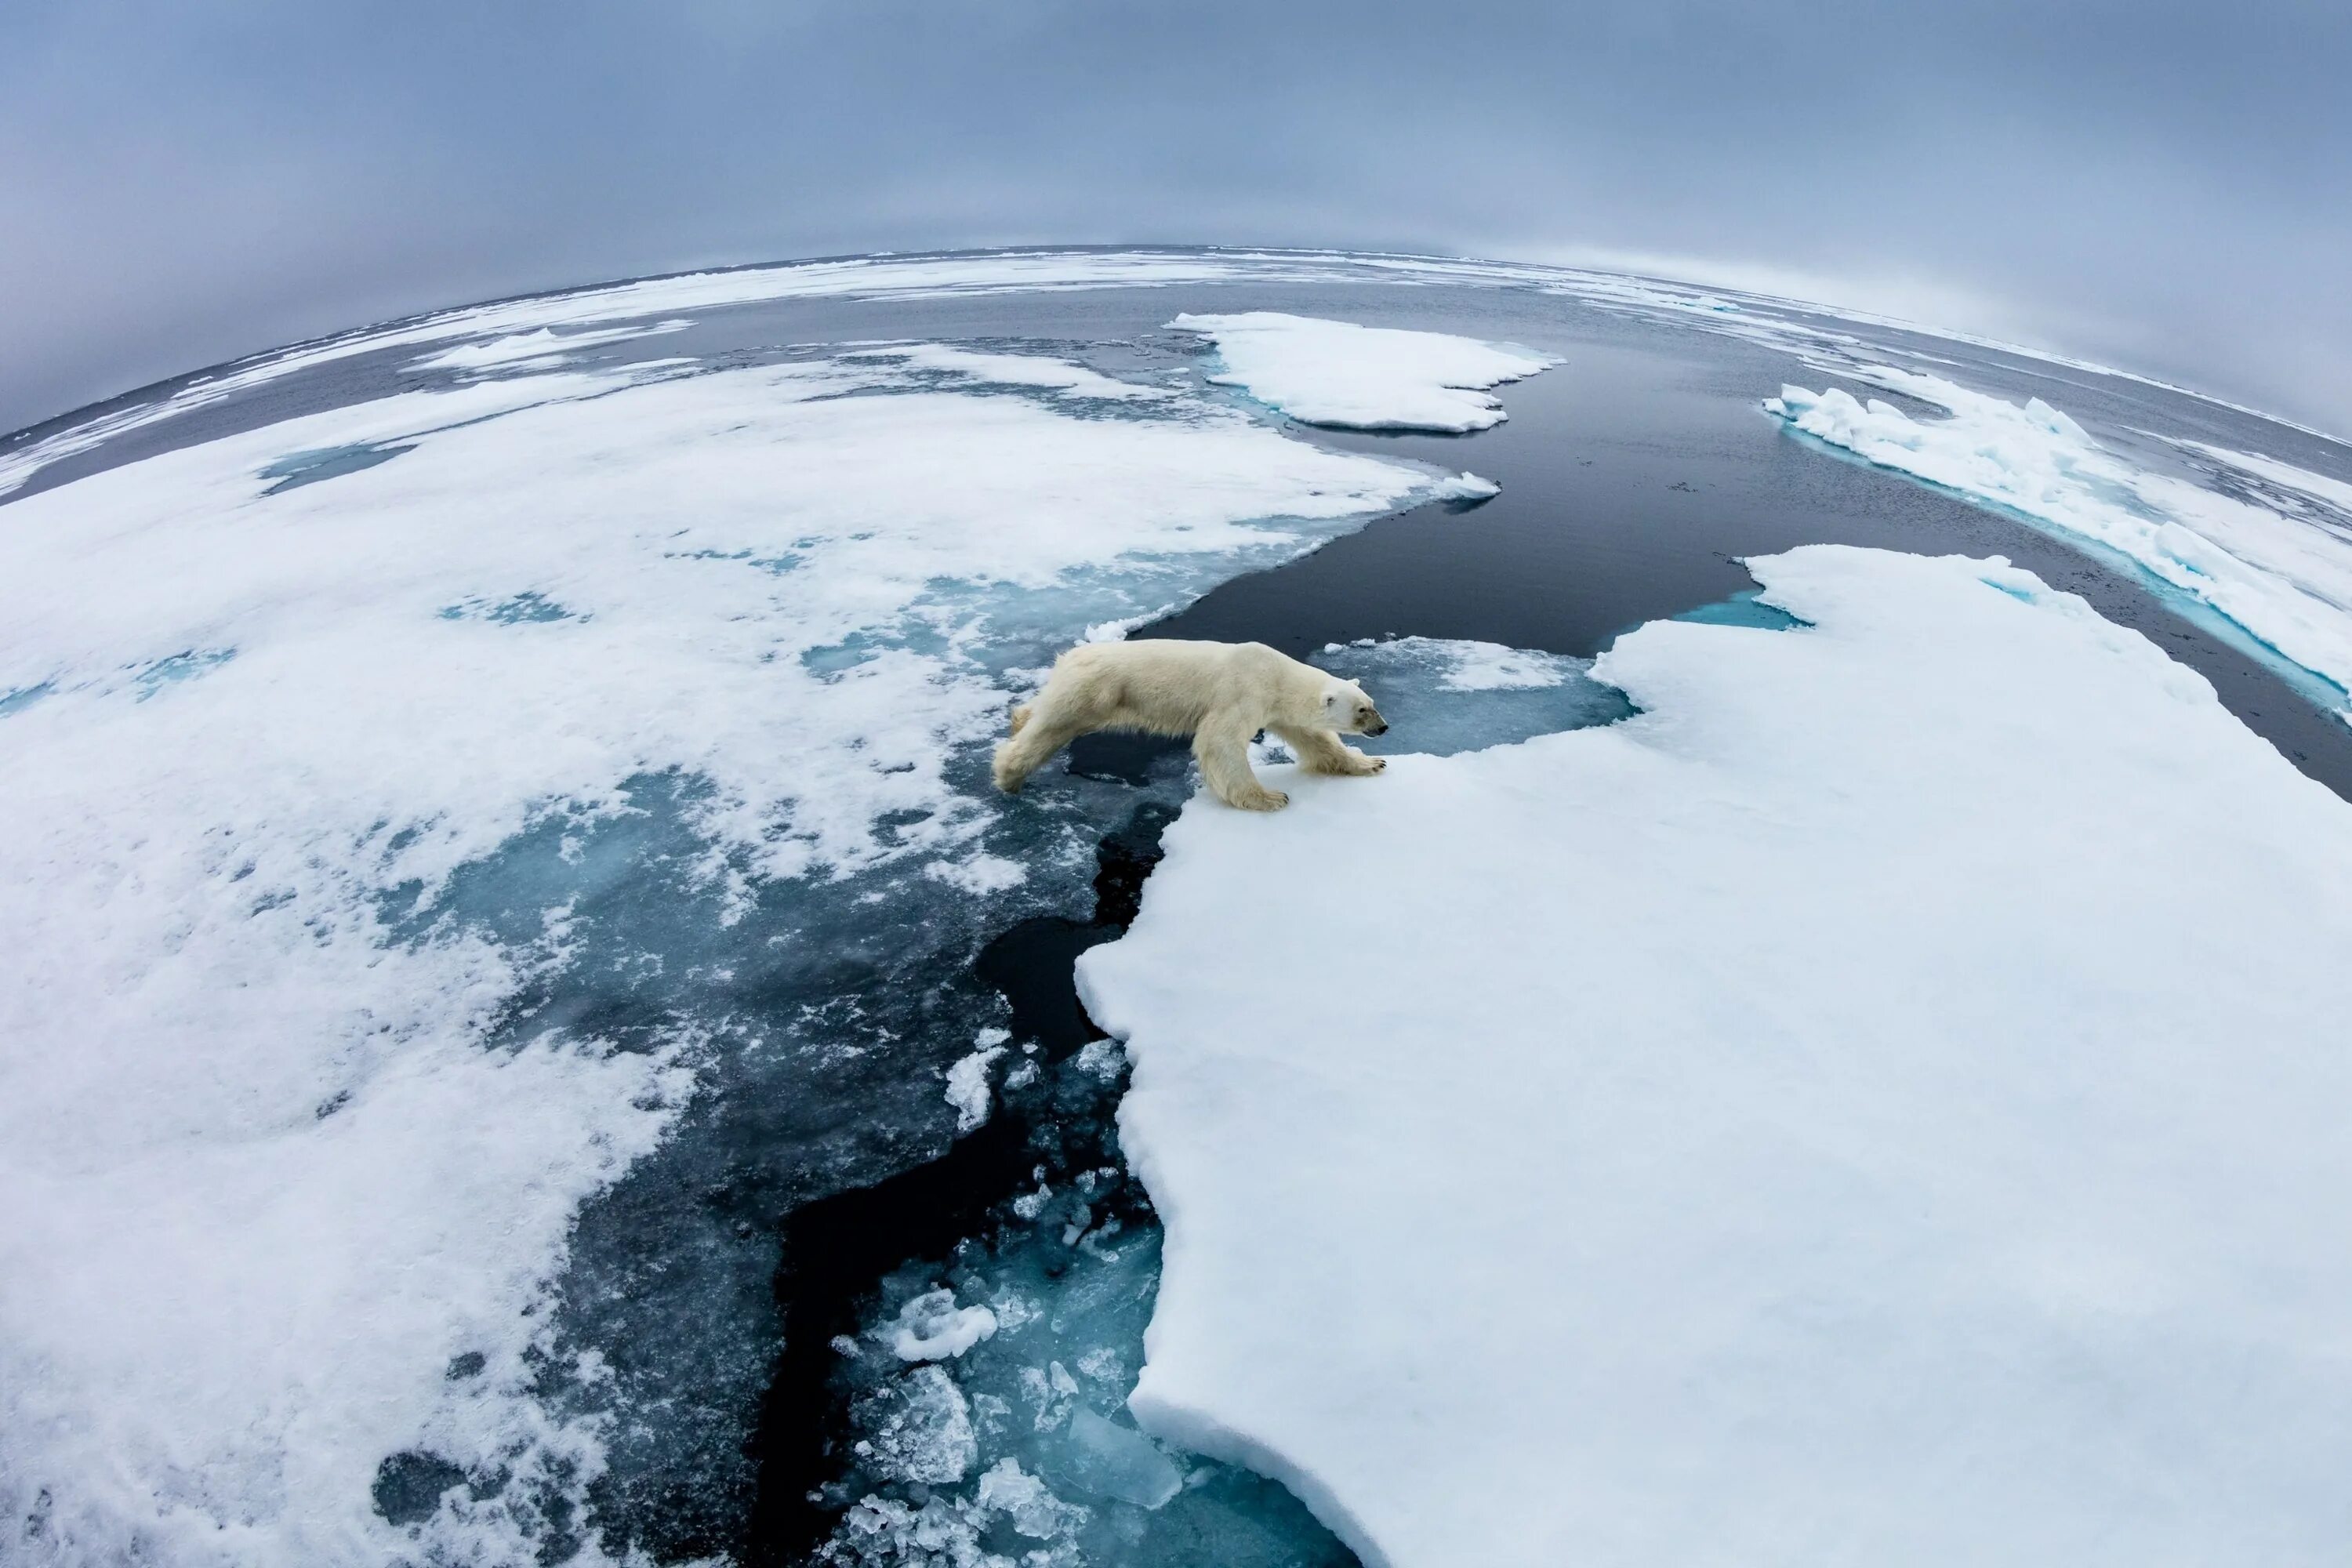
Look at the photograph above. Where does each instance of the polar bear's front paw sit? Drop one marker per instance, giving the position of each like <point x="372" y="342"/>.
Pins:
<point x="1373" y="765"/>
<point x="1262" y="800"/>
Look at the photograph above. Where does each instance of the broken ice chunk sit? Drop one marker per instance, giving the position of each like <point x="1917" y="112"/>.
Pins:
<point x="968" y="1084"/>
<point x="1098" y="1455"/>
<point x="932" y="1327"/>
<point x="925" y="1431"/>
<point x="1033" y="1512"/>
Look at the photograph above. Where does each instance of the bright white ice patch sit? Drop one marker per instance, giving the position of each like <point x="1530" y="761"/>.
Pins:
<point x="1881" y="1103"/>
<point x="968" y="1089"/>
<point x="263" y="1178"/>
<point x="2287" y="583"/>
<point x="1012" y="369"/>
<point x="1363" y="378"/>
<point x="536" y="349"/>
<point x="932" y="1327"/>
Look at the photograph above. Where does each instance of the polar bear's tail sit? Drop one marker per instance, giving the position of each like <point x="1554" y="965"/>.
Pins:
<point x="1019" y="717"/>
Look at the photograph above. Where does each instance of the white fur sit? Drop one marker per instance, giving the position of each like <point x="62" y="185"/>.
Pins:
<point x="1221" y="694"/>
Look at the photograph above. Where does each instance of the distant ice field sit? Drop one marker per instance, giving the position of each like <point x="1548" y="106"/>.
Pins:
<point x="498" y="827"/>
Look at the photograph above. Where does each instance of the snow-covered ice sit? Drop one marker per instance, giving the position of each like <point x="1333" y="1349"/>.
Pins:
<point x="1880" y="1103"/>
<point x="275" y="1157"/>
<point x="968" y="1089"/>
<point x="2283" y="582"/>
<point x="2334" y="494"/>
<point x="932" y="1327"/>
<point x="1042" y="371"/>
<point x="539" y="349"/>
<point x="1363" y="378"/>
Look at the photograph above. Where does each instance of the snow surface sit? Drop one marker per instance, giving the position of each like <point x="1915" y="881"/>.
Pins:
<point x="2285" y="583"/>
<point x="1363" y="378"/>
<point x="269" y="1168"/>
<point x="1881" y="1103"/>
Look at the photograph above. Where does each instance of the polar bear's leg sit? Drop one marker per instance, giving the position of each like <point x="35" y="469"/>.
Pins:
<point x="1026" y="753"/>
<point x="1223" y="753"/>
<point x="1061" y="713"/>
<point x="1321" y="751"/>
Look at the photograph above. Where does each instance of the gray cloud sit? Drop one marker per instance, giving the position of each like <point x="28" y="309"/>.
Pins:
<point x="2165" y="185"/>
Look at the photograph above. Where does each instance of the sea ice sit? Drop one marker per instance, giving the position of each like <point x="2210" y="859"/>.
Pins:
<point x="245" y="1021"/>
<point x="2333" y="494"/>
<point x="1441" y="697"/>
<point x="922" y="1429"/>
<point x="932" y="1327"/>
<point x="1879" y="1103"/>
<point x="1364" y="378"/>
<point x="2286" y="583"/>
<point x="651" y="303"/>
<point x="967" y="1088"/>
<point x="538" y="349"/>
<point x="1042" y="371"/>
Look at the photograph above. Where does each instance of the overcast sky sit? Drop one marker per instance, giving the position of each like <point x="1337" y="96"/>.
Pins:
<point x="2163" y="185"/>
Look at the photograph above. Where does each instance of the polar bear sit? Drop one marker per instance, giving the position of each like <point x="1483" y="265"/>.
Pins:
<point x="1221" y="694"/>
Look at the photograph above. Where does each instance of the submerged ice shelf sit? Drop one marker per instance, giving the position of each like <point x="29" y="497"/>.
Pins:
<point x="1878" y="1103"/>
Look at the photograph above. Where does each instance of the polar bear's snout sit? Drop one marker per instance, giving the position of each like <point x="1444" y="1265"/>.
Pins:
<point x="1378" y="726"/>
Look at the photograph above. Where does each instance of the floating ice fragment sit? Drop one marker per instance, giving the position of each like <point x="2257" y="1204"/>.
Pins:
<point x="968" y="1087"/>
<point x="932" y="1327"/>
<point x="1467" y="486"/>
<point x="1006" y="1488"/>
<point x="1102" y="1458"/>
<point x="924" y="1433"/>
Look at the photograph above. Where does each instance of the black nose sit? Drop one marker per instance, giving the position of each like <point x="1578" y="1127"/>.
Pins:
<point x="1380" y="729"/>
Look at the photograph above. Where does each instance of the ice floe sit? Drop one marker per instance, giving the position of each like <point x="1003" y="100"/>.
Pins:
<point x="1363" y="378"/>
<point x="539" y="349"/>
<point x="283" y="1177"/>
<point x="2285" y="583"/>
<point x="1882" y="1102"/>
<point x="1012" y="369"/>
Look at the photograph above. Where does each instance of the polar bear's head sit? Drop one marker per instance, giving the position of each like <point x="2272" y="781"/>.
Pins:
<point x="1346" y="709"/>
